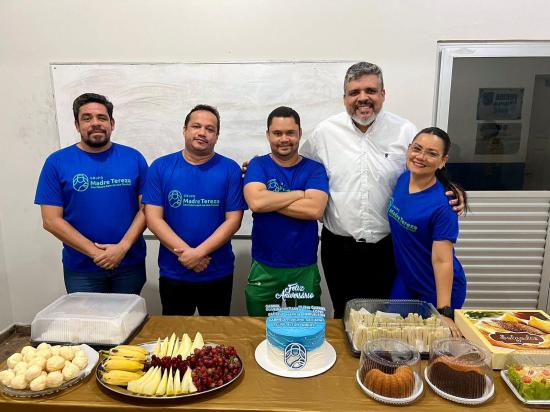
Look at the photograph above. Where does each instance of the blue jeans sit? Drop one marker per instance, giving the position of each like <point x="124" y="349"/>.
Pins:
<point x="127" y="279"/>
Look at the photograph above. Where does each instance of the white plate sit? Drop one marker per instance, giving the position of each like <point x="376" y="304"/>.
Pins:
<point x="418" y="389"/>
<point x="93" y="357"/>
<point x="541" y="403"/>
<point x="489" y="392"/>
<point x="149" y="346"/>
<point x="329" y="357"/>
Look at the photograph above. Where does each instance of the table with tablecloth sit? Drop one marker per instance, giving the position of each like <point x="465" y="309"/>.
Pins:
<point x="256" y="390"/>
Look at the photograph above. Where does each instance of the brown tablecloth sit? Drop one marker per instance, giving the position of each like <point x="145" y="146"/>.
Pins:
<point x="256" y="390"/>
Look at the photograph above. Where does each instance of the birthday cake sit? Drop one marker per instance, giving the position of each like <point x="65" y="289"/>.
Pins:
<point x="295" y="338"/>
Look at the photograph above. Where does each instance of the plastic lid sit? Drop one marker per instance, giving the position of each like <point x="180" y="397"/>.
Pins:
<point x="459" y="368"/>
<point x="390" y="353"/>
<point x="390" y="368"/>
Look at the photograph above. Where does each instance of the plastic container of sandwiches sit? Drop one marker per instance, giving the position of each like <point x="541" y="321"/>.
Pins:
<point x="414" y="322"/>
<point x="100" y="320"/>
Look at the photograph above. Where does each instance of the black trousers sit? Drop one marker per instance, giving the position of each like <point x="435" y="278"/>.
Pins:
<point x="182" y="298"/>
<point x="356" y="269"/>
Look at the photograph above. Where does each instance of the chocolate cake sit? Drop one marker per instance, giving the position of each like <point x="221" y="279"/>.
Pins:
<point x="457" y="378"/>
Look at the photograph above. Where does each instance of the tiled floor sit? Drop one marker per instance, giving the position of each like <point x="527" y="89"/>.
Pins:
<point x="20" y="337"/>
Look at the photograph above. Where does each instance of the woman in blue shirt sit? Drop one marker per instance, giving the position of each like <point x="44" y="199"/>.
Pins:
<point x="424" y="227"/>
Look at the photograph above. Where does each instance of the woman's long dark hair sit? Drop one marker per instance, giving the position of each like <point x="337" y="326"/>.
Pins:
<point x="441" y="174"/>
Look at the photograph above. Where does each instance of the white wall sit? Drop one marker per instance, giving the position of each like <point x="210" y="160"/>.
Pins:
<point x="6" y="313"/>
<point x="400" y="36"/>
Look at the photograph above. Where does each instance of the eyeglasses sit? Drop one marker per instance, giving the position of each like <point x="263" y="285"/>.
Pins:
<point x="417" y="150"/>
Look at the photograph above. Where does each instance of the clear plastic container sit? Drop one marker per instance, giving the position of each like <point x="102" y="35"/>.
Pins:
<point x="97" y="319"/>
<point x="527" y="373"/>
<point x="460" y="371"/>
<point x="412" y="321"/>
<point x="389" y="370"/>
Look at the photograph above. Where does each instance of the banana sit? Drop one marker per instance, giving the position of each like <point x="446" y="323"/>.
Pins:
<point x="129" y="350"/>
<point x="120" y="377"/>
<point x="126" y="355"/>
<point x="134" y="348"/>
<point x="123" y="365"/>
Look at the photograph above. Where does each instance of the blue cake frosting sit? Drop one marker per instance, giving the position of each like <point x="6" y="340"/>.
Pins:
<point x="290" y="325"/>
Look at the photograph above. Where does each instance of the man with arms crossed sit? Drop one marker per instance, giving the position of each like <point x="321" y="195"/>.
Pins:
<point x="194" y="205"/>
<point x="89" y="194"/>
<point x="287" y="194"/>
<point x="363" y="150"/>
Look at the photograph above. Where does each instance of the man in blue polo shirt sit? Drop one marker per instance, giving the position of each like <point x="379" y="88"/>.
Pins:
<point x="287" y="194"/>
<point x="194" y="205"/>
<point x="89" y="196"/>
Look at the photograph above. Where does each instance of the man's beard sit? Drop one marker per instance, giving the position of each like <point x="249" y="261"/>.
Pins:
<point x="364" y="122"/>
<point x="97" y="142"/>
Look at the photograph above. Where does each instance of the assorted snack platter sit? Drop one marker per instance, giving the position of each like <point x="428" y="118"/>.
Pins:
<point x="169" y="369"/>
<point x="501" y="332"/>
<point x="527" y="374"/>
<point x="414" y="322"/>
<point x="46" y="369"/>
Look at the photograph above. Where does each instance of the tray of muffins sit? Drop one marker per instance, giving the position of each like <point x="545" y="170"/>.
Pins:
<point x="414" y="322"/>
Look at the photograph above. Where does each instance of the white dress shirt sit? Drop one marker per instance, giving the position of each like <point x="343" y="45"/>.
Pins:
<point x="362" y="169"/>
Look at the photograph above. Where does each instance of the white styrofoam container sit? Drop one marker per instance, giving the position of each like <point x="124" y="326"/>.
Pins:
<point x="92" y="318"/>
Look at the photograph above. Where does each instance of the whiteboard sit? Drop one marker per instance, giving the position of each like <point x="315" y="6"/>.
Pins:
<point x="151" y="101"/>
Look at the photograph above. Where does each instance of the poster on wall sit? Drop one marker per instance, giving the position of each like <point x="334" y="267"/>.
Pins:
<point x="499" y="104"/>
<point x="496" y="138"/>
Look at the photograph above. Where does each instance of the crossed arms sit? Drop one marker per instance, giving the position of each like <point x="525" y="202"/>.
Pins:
<point x="299" y="204"/>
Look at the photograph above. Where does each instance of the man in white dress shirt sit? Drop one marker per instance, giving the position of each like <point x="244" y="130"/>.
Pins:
<point x="363" y="151"/>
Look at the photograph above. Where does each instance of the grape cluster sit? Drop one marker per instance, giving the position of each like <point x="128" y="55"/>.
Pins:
<point x="167" y="362"/>
<point x="214" y="366"/>
<point x="211" y="366"/>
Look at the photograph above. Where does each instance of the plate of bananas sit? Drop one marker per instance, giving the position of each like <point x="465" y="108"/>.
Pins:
<point x="169" y="368"/>
<point x="46" y="369"/>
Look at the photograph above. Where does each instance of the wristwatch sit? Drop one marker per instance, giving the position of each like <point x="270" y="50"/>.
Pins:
<point x="447" y="311"/>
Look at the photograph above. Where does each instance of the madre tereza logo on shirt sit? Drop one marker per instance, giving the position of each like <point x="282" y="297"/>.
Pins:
<point x="273" y="185"/>
<point x="176" y="199"/>
<point x="82" y="182"/>
<point x="393" y="212"/>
